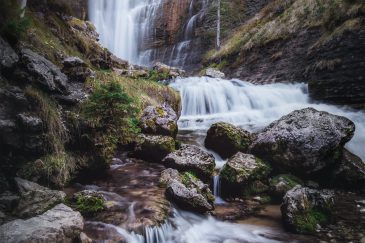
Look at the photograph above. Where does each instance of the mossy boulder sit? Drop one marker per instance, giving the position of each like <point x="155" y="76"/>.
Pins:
<point x="281" y="184"/>
<point x="191" y="158"/>
<point x="187" y="191"/>
<point x="304" y="208"/>
<point x="154" y="148"/>
<point x="89" y="202"/>
<point x="244" y="173"/>
<point x="160" y="120"/>
<point x="226" y="139"/>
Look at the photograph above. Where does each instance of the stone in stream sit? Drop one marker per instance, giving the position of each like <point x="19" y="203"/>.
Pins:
<point x="187" y="191"/>
<point x="35" y="199"/>
<point x="160" y="120"/>
<point x="304" y="141"/>
<point x="154" y="148"/>
<point x="214" y="73"/>
<point x="226" y="139"/>
<point x="59" y="224"/>
<point x="191" y="158"/>
<point x="244" y="174"/>
<point x="303" y="208"/>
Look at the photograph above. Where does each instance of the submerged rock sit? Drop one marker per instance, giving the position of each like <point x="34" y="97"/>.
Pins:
<point x="187" y="191"/>
<point x="59" y="224"/>
<point x="303" y="142"/>
<point x="191" y="158"/>
<point x="304" y="208"/>
<point x="35" y="199"/>
<point x="226" y="139"/>
<point x="161" y="120"/>
<point x="244" y="173"/>
<point x="154" y="147"/>
<point x="214" y="73"/>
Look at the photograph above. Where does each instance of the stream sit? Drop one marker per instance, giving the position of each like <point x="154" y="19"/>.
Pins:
<point x="133" y="184"/>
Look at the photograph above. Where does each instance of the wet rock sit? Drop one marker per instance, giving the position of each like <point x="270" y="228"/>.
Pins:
<point x="227" y="140"/>
<point x="304" y="208"/>
<point x="214" y="73"/>
<point x="304" y="142"/>
<point x="242" y="174"/>
<point x="161" y="120"/>
<point x="35" y="199"/>
<point x="172" y="72"/>
<point x="76" y="69"/>
<point x="42" y="71"/>
<point x="187" y="191"/>
<point x="8" y="57"/>
<point x="154" y="147"/>
<point x="281" y="184"/>
<point x="191" y="158"/>
<point x="29" y="122"/>
<point x="59" y="224"/>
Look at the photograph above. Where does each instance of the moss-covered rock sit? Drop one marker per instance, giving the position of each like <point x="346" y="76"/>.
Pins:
<point x="154" y="147"/>
<point x="89" y="202"/>
<point x="226" y="139"/>
<point x="280" y="184"/>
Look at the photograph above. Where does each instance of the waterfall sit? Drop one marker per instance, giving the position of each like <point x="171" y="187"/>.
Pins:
<point x="124" y="25"/>
<point x="208" y="100"/>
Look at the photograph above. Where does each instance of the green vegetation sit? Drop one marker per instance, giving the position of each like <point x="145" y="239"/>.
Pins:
<point x="188" y="178"/>
<point x="155" y="75"/>
<point x="306" y="222"/>
<point x="290" y="180"/>
<point x="89" y="205"/>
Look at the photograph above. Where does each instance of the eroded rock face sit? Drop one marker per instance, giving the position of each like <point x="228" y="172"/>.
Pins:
<point x="154" y="147"/>
<point x="42" y="71"/>
<point x="35" y="199"/>
<point x="59" y="224"/>
<point x="161" y="120"/>
<point x="303" y="208"/>
<point x="191" y="158"/>
<point x="187" y="191"/>
<point x="227" y="140"/>
<point x="304" y="141"/>
<point x="76" y="69"/>
<point x="8" y="57"/>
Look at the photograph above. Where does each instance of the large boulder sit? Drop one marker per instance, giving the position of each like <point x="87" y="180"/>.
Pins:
<point x="161" y="120"/>
<point x="227" y="140"/>
<point x="187" y="191"/>
<point x="154" y="147"/>
<point x="35" y="199"/>
<point x="42" y="71"/>
<point x="304" y="208"/>
<point x="243" y="172"/>
<point x="59" y="224"/>
<point x="8" y="57"/>
<point x="303" y="142"/>
<point x="76" y="69"/>
<point x="191" y="158"/>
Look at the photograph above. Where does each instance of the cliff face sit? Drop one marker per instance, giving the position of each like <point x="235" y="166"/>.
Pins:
<point x="318" y="42"/>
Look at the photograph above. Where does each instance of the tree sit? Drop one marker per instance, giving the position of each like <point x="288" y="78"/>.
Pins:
<point x="218" y="43"/>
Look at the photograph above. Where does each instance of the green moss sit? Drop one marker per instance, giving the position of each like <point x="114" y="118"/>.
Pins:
<point x="289" y="179"/>
<point x="188" y="178"/>
<point x="89" y="205"/>
<point x="307" y="221"/>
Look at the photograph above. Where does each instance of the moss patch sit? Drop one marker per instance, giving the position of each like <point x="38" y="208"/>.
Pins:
<point x="306" y="222"/>
<point x="89" y="205"/>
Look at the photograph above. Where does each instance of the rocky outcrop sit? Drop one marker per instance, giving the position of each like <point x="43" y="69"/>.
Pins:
<point x="227" y="140"/>
<point x="187" y="191"/>
<point x="304" y="141"/>
<point x="244" y="172"/>
<point x="59" y="224"/>
<point x="191" y="158"/>
<point x="160" y="120"/>
<point x="35" y="199"/>
<point x="154" y="147"/>
<point x="303" y="208"/>
<point x="76" y="69"/>
<point x="8" y="57"/>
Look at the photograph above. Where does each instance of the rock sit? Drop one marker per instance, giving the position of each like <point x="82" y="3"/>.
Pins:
<point x="8" y="201"/>
<point x="227" y="140"/>
<point x="76" y="69"/>
<point x="89" y="202"/>
<point x="59" y="224"/>
<point x="8" y="57"/>
<point x="172" y="72"/>
<point x="154" y="147"/>
<point x="42" y="71"/>
<point x="303" y="208"/>
<point x="161" y="120"/>
<point x="191" y="158"/>
<point x="77" y="94"/>
<point x="303" y="142"/>
<point x="242" y="175"/>
<point x="30" y="123"/>
<point x="214" y="73"/>
<point x="349" y="173"/>
<point x="35" y="199"/>
<point x="281" y="184"/>
<point x="187" y="191"/>
<point x="84" y="238"/>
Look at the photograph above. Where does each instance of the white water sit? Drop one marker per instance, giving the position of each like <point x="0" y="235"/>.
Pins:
<point x="208" y="100"/>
